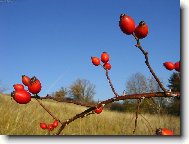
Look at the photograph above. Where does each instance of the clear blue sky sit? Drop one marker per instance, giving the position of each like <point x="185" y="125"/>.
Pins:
<point x="55" y="39"/>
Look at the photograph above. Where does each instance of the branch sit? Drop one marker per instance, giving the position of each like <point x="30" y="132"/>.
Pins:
<point x="117" y="98"/>
<point x="111" y="85"/>
<point x="81" y="115"/>
<point x="47" y="110"/>
<point x="148" y="64"/>
<point x="67" y="101"/>
<point x="137" y="112"/>
<point x="147" y="122"/>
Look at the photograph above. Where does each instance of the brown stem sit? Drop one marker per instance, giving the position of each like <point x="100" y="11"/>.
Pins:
<point x="137" y="112"/>
<point x="111" y="85"/>
<point x="81" y="115"/>
<point x="111" y="100"/>
<point x="147" y="122"/>
<point x="88" y="104"/>
<point x="148" y="64"/>
<point x="47" y="110"/>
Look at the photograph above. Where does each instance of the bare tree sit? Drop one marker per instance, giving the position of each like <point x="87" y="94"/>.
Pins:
<point x="82" y="90"/>
<point x="138" y="83"/>
<point x="61" y="94"/>
<point x="153" y="86"/>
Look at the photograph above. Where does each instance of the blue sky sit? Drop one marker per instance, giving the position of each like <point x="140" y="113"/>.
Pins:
<point x="55" y="39"/>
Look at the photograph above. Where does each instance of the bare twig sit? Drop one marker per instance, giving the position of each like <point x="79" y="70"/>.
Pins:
<point x="110" y="82"/>
<point x="137" y="112"/>
<point x="148" y="64"/>
<point x="47" y="110"/>
<point x="81" y="115"/>
<point x="111" y="85"/>
<point x="67" y="101"/>
<point x="147" y="122"/>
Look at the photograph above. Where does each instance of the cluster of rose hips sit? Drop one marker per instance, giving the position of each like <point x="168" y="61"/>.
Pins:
<point x="170" y="66"/>
<point x="164" y="131"/>
<point x="22" y="96"/>
<point x="50" y="126"/>
<point x="104" y="58"/>
<point x="127" y="26"/>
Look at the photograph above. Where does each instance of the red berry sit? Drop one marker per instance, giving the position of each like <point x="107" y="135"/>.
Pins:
<point x="177" y="66"/>
<point x="164" y="131"/>
<point x="55" y="123"/>
<point x="98" y="110"/>
<point x="18" y="87"/>
<point x="25" y="80"/>
<point x="35" y="86"/>
<point x="107" y="66"/>
<point x="43" y="125"/>
<point x="141" y="31"/>
<point x="169" y="65"/>
<point x="50" y="127"/>
<point x="126" y="24"/>
<point x="95" y="61"/>
<point x="105" y="57"/>
<point x="21" y="96"/>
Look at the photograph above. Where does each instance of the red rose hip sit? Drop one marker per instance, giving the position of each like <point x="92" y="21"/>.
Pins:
<point x="107" y="66"/>
<point x="35" y="86"/>
<point x="98" y="110"/>
<point x="105" y="57"/>
<point x="21" y="96"/>
<point x="95" y="61"/>
<point x="18" y="87"/>
<point x="43" y="125"/>
<point x="25" y="80"/>
<point x="55" y="123"/>
<point x="141" y="31"/>
<point x="164" y="131"/>
<point x="177" y="66"/>
<point x="126" y="24"/>
<point x="50" y="127"/>
<point x="169" y="65"/>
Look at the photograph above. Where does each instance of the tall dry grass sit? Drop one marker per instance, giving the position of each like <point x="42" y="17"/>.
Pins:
<point x="19" y="119"/>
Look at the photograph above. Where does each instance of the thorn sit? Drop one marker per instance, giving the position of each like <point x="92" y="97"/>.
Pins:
<point x="143" y="97"/>
<point x="124" y="93"/>
<point x="174" y="95"/>
<point x="103" y="105"/>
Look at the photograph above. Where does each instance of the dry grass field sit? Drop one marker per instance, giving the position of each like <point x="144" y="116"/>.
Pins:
<point x="19" y="119"/>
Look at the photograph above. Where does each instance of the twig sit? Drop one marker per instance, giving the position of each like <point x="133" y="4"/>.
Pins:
<point x="148" y="64"/>
<point x="110" y="82"/>
<point x="147" y="122"/>
<point x="81" y="115"/>
<point x="137" y="112"/>
<point x="48" y="110"/>
<point x="67" y="101"/>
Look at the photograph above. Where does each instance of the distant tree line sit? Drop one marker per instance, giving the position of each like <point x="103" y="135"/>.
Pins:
<point x="83" y="90"/>
<point x="138" y="83"/>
